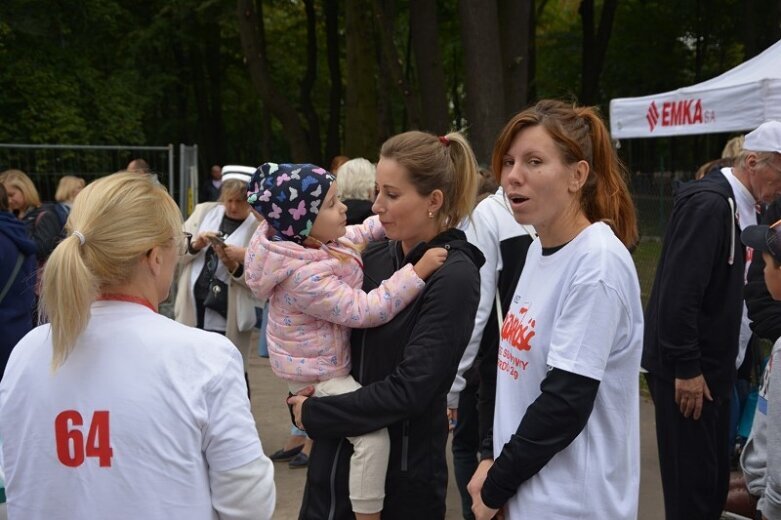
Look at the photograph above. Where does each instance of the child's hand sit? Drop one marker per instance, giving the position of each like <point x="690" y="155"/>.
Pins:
<point x="430" y="262"/>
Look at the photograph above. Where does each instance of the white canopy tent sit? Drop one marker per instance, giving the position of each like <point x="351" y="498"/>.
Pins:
<point x="740" y="99"/>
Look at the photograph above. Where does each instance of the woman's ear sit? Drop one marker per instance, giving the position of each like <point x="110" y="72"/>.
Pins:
<point x="578" y="176"/>
<point x="154" y="259"/>
<point x="435" y="201"/>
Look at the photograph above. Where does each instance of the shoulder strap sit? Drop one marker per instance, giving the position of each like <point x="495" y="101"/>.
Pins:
<point x="14" y="274"/>
<point x="39" y="216"/>
<point x="499" y="313"/>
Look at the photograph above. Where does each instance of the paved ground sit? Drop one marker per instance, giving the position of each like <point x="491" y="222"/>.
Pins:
<point x="273" y="423"/>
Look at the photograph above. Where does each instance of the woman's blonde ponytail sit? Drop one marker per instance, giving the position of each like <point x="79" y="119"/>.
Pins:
<point x="114" y="222"/>
<point x="68" y="289"/>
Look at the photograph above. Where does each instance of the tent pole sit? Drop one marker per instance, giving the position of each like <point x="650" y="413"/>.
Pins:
<point x="661" y="194"/>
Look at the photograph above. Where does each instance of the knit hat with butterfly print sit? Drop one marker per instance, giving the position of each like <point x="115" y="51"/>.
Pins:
<point x="289" y="196"/>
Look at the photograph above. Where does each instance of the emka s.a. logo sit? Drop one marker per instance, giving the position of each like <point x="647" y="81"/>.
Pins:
<point x="684" y="112"/>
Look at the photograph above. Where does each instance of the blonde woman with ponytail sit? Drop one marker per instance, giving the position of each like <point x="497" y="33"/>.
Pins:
<point x="426" y="187"/>
<point x="565" y="431"/>
<point x="125" y="412"/>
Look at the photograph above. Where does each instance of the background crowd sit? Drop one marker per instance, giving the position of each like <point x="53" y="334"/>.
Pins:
<point x="510" y="315"/>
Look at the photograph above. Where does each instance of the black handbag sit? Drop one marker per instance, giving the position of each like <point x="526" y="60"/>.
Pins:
<point x="217" y="299"/>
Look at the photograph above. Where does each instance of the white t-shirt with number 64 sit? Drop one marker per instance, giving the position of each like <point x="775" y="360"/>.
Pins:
<point x="130" y="426"/>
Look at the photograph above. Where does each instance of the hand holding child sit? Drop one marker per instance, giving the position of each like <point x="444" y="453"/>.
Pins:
<point x="430" y="262"/>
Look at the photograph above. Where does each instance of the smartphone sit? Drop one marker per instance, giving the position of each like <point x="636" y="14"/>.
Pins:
<point x="217" y="239"/>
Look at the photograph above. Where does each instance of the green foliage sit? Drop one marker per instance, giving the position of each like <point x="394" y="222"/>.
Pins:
<point x="558" y="50"/>
<point x="59" y="79"/>
<point x="170" y="71"/>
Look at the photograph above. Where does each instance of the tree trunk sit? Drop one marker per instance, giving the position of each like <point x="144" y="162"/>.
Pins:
<point x="333" y="137"/>
<point x="594" y="46"/>
<point x="386" y="124"/>
<point x="308" y="82"/>
<point x="199" y="83"/>
<point x="428" y="58"/>
<point x="483" y="72"/>
<point x="213" y="63"/>
<point x="361" y="92"/>
<point x="265" y="132"/>
<point x="253" y="43"/>
<point x="532" y="82"/>
<point x="761" y="25"/>
<point x="391" y="55"/>
<point x="515" y="28"/>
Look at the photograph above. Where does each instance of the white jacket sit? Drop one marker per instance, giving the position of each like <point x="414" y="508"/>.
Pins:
<point x="241" y="303"/>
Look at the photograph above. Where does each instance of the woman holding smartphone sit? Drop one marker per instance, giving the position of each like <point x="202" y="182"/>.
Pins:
<point x="212" y="294"/>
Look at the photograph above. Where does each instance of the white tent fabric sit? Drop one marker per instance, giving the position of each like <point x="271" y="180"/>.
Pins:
<point x="740" y="99"/>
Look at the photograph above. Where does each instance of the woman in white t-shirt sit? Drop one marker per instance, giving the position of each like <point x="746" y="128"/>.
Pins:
<point x="113" y="410"/>
<point x="565" y="435"/>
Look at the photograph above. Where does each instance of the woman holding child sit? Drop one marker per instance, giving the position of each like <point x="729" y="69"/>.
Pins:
<point x="426" y="186"/>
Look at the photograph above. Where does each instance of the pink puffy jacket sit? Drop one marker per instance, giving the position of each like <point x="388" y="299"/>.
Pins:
<point x="315" y="299"/>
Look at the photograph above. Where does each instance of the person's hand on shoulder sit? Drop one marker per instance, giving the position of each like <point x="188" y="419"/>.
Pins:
<point x="430" y="262"/>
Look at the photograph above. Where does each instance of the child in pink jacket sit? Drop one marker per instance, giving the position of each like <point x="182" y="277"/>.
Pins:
<point x="305" y="261"/>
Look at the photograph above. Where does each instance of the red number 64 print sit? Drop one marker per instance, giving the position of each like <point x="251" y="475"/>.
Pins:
<point x="71" y="448"/>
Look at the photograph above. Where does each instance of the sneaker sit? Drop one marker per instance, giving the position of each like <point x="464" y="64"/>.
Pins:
<point x="299" y="461"/>
<point x="284" y="455"/>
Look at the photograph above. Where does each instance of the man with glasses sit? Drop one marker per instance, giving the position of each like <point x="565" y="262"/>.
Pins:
<point x="693" y="323"/>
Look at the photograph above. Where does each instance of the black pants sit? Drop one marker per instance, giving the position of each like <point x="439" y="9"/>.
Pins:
<point x="466" y="446"/>
<point x="693" y="455"/>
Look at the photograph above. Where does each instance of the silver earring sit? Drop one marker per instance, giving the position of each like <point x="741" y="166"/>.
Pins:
<point x="430" y="214"/>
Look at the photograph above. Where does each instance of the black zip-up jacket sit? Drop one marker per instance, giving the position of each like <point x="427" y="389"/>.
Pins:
<point x="406" y="367"/>
<point x="692" y="321"/>
<point x="44" y="228"/>
<point x="763" y="311"/>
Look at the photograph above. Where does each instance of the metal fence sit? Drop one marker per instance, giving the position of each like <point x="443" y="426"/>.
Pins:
<point x="46" y="163"/>
<point x="653" y="197"/>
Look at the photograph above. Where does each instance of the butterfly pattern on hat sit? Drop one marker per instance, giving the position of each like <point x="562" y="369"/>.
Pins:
<point x="289" y="196"/>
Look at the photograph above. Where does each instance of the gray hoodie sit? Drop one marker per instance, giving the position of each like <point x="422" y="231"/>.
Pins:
<point x="761" y="458"/>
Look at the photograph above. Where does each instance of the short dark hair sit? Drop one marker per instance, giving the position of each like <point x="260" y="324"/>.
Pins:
<point x="3" y="198"/>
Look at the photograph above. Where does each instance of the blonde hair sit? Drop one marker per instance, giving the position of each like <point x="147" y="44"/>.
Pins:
<point x="444" y="163"/>
<point x="68" y="187"/>
<point x="113" y="215"/>
<point x="19" y="180"/>
<point x="762" y="157"/>
<point x="733" y="147"/>
<point x="233" y="188"/>
<point x="356" y="180"/>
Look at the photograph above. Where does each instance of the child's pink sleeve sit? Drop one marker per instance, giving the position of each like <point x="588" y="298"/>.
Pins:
<point x="370" y="230"/>
<point x="329" y="298"/>
<point x="253" y="269"/>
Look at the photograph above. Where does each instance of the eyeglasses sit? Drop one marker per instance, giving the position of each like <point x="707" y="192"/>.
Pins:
<point x="184" y="243"/>
<point x="773" y="166"/>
